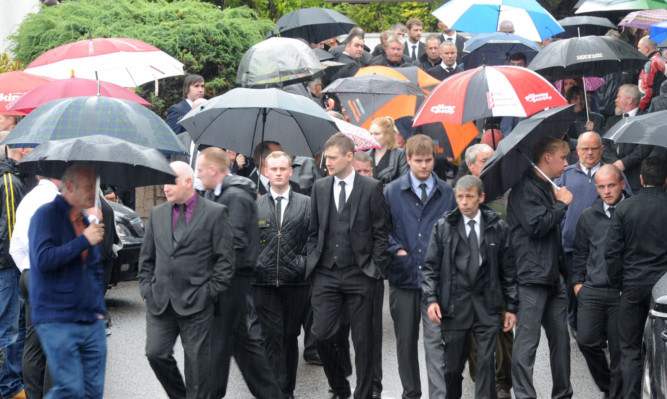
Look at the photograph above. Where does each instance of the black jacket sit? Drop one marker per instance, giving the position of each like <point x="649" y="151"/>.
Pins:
<point x="439" y="272"/>
<point x="636" y="249"/>
<point x="535" y="219"/>
<point x="659" y="102"/>
<point x="282" y="256"/>
<point x="239" y="194"/>
<point x="397" y="165"/>
<point x="382" y="60"/>
<point x="12" y="191"/>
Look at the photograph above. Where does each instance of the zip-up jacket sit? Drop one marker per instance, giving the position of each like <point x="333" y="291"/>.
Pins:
<point x="650" y="78"/>
<point x="12" y="191"/>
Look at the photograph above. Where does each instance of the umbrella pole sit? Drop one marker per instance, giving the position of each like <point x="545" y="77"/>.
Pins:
<point x="583" y="80"/>
<point x="259" y="170"/>
<point x="540" y="171"/>
<point x="94" y="218"/>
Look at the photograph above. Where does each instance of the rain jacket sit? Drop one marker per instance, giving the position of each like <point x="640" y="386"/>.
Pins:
<point x="12" y="191"/>
<point x="650" y="78"/>
<point x="659" y="103"/>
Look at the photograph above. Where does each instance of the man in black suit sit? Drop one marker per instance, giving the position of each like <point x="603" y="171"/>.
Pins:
<point x="450" y="35"/>
<point x="354" y="49"/>
<point x="636" y="259"/>
<point x="449" y="66"/>
<point x="413" y="47"/>
<point x="347" y="244"/>
<point x="180" y="275"/>
<point x="431" y="58"/>
<point x="468" y="273"/>
<point x="193" y="88"/>
<point x="626" y="157"/>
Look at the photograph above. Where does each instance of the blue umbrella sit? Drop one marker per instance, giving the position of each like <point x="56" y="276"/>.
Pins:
<point x="496" y="49"/>
<point x="659" y="32"/>
<point x="530" y="19"/>
<point x="74" y="117"/>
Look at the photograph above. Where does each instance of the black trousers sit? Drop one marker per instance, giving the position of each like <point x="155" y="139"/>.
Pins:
<point x="597" y="319"/>
<point x="231" y="337"/>
<point x="378" y="300"/>
<point x="161" y="333"/>
<point x="333" y="290"/>
<point x="281" y="310"/>
<point x="634" y="306"/>
<point x="36" y="376"/>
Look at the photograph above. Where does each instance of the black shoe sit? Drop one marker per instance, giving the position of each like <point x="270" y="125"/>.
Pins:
<point x="340" y="396"/>
<point x="377" y="395"/>
<point x="313" y="359"/>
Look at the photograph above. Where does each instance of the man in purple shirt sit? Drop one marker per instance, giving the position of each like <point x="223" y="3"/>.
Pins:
<point x="186" y="260"/>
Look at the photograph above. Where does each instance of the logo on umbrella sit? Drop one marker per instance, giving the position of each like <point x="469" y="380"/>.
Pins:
<point x="534" y="98"/>
<point x="10" y="96"/>
<point x="589" y="56"/>
<point x="443" y="109"/>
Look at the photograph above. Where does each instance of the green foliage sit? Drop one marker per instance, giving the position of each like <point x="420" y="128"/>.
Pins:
<point x="209" y="41"/>
<point x="377" y="17"/>
<point x="7" y="65"/>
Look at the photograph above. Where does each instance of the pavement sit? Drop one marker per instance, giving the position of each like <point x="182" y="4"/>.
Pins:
<point x="129" y="376"/>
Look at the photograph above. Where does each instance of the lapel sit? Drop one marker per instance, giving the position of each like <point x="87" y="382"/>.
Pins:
<point x="197" y="214"/>
<point x="460" y="227"/>
<point x="165" y="217"/>
<point x="355" y="197"/>
<point x="325" y="200"/>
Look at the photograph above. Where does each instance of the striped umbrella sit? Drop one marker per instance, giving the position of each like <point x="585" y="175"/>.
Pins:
<point x="643" y="19"/>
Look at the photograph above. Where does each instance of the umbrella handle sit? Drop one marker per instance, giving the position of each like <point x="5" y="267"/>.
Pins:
<point x="93" y="218"/>
<point x="540" y="171"/>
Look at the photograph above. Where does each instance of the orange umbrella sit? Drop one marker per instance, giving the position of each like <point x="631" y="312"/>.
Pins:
<point x="414" y="74"/>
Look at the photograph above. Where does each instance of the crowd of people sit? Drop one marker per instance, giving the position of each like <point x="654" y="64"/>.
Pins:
<point x="251" y="249"/>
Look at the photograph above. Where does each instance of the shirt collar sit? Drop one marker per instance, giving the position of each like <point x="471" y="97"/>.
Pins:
<point x="415" y="183"/>
<point x="264" y="180"/>
<point x="593" y="169"/>
<point x="349" y="180"/>
<point x="218" y="189"/>
<point x="190" y="203"/>
<point x="285" y="195"/>
<point x="442" y="64"/>
<point x="477" y="218"/>
<point x="446" y="36"/>
<point x="633" y="112"/>
<point x="607" y="206"/>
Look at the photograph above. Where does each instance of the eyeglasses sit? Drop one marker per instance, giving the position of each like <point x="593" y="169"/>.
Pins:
<point x="591" y="149"/>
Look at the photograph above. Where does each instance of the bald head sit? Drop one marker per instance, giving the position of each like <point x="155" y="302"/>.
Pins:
<point x="610" y="184"/>
<point x="506" y="26"/>
<point x="183" y="189"/>
<point x="647" y="46"/>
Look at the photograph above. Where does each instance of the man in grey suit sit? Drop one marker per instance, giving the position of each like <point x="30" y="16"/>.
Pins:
<point x="186" y="261"/>
<point x="347" y="246"/>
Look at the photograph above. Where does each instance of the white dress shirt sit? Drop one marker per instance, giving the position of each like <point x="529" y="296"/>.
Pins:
<point x="478" y="220"/>
<point x="349" y="184"/>
<point x="44" y="193"/>
<point x="283" y="202"/>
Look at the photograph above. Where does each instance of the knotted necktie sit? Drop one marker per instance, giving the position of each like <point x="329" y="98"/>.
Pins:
<point x="424" y="196"/>
<point x="414" y="52"/>
<point x="473" y="261"/>
<point x="279" y="209"/>
<point x="179" y="228"/>
<point x="341" y="197"/>
<point x="611" y="210"/>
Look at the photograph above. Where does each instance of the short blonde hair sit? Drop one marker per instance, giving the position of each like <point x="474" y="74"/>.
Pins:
<point x="217" y="157"/>
<point x="279" y="154"/>
<point x="389" y="131"/>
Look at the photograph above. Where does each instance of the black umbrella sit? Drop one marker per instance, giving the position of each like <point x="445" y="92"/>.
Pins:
<point x="117" y="162"/>
<point x="584" y="25"/>
<point x="312" y="24"/>
<point x="496" y="49"/>
<point x="512" y="157"/>
<point x="643" y="129"/>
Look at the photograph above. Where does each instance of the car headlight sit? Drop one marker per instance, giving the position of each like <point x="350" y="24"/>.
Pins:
<point x="122" y="231"/>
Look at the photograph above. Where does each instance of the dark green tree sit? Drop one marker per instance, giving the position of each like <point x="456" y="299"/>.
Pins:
<point x="208" y="40"/>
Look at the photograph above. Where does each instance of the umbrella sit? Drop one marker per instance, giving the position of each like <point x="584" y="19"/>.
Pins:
<point x="73" y="87"/>
<point x="530" y="19"/>
<point x="450" y="139"/>
<point x="584" y="26"/>
<point x="125" y="62"/>
<point x="586" y="6"/>
<point x="15" y="84"/>
<point x="646" y="129"/>
<point x="512" y="157"/>
<point x="643" y="19"/>
<point x="496" y="49"/>
<point x="117" y="162"/>
<point x="312" y="24"/>
<point x="659" y="32"/>
<point x="487" y="92"/>
<point x="363" y="139"/>
<point x="591" y="83"/>
<point x="85" y="116"/>
<point x="365" y="97"/>
<point x="277" y="62"/>
<point x="242" y="118"/>
<point x="413" y="74"/>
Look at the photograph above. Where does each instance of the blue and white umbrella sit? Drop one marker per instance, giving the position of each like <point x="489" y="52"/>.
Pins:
<point x="530" y="19"/>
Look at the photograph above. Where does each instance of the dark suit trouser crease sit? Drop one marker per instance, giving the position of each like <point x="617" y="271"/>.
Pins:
<point x="597" y="319"/>
<point x="232" y="338"/>
<point x="378" y="301"/>
<point x="541" y="306"/>
<point x="504" y="344"/>
<point x="334" y="289"/>
<point x="281" y="310"/>
<point x="161" y="332"/>
<point x="634" y="306"/>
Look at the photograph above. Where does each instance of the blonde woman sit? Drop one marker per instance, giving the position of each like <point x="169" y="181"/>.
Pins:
<point x="389" y="162"/>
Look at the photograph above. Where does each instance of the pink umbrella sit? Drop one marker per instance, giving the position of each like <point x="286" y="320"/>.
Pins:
<point x="73" y="87"/>
<point x="15" y="84"/>
<point x="363" y="139"/>
<point x="643" y="19"/>
<point x="592" y="83"/>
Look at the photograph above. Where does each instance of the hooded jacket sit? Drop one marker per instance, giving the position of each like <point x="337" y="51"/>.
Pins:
<point x="659" y="103"/>
<point x="239" y="194"/>
<point x="440" y="273"/>
<point x="12" y="191"/>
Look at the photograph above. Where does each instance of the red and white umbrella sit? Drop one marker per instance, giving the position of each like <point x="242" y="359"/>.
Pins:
<point x="488" y="91"/>
<point x="15" y="84"/>
<point x="125" y="62"/>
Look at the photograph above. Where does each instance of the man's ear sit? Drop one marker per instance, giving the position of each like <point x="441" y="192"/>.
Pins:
<point x="641" y="179"/>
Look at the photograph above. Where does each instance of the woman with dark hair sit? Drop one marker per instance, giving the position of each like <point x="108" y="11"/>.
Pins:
<point x="389" y="162"/>
<point x="591" y="122"/>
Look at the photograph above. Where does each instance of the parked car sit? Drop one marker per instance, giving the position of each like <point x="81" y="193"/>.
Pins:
<point x="130" y="230"/>
<point x="654" y="382"/>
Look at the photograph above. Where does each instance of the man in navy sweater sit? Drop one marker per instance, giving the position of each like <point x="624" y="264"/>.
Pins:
<point x="67" y="288"/>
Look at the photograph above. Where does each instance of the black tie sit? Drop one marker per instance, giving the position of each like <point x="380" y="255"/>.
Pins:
<point x="341" y="197"/>
<point x="414" y="52"/>
<point x="448" y="69"/>
<point x="424" y="195"/>
<point x="473" y="262"/>
<point x="279" y="208"/>
<point x="611" y="212"/>
<point x="589" y="174"/>
<point x="208" y="194"/>
<point x="450" y="39"/>
<point x="626" y="115"/>
<point x="179" y="228"/>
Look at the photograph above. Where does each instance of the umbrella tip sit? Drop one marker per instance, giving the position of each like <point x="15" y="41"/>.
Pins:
<point x="72" y="73"/>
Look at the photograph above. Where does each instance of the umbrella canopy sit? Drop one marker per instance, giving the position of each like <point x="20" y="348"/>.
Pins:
<point x="242" y="118"/>
<point x="312" y="24"/>
<point x="277" y="62"/>
<point x="15" y="84"/>
<point x="643" y="19"/>
<point x="659" y="32"/>
<point x="117" y="162"/>
<point x="585" y="6"/>
<point x="592" y="83"/>
<point x="95" y="115"/>
<point x="643" y="129"/>
<point x="413" y="74"/>
<point x="586" y="56"/>
<point x="584" y="25"/>
<point x="496" y="49"/>
<point x="363" y="139"/>
<point x="530" y="19"/>
<point x="125" y="62"/>
<point x="486" y="92"/>
<point x="508" y="163"/>
<point x="450" y="139"/>
<point x="73" y="87"/>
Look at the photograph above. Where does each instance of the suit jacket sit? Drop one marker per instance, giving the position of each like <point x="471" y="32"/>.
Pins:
<point x="396" y="167"/>
<point x="191" y="274"/>
<point x="441" y="73"/>
<point x="631" y="155"/>
<point x="176" y="113"/>
<point x="460" y="43"/>
<point x="187" y="141"/>
<point x="369" y="220"/>
<point x="407" y="49"/>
